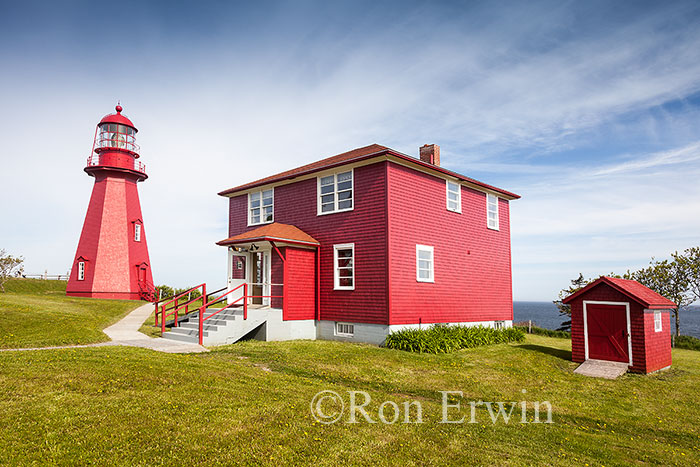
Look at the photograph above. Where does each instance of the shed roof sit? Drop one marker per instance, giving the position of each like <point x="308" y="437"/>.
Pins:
<point x="638" y="292"/>
<point x="356" y="155"/>
<point x="275" y="232"/>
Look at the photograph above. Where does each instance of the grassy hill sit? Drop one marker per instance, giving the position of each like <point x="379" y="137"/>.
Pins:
<point x="37" y="313"/>
<point x="249" y="404"/>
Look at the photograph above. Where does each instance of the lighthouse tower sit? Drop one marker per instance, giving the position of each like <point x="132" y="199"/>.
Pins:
<point x="112" y="256"/>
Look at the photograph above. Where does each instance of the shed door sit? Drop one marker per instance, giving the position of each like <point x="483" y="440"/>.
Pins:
<point x="607" y="332"/>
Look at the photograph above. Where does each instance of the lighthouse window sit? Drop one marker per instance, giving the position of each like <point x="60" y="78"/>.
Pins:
<point x="81" y="271"/>
<point x="137" y="232"/>
<point x="261" y="207"/>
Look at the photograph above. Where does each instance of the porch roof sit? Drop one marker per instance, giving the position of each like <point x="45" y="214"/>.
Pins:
<point x="275" y="232"/>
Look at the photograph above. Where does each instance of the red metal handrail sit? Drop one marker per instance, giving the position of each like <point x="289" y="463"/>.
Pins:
<point x="177" y="307"/>
<point x="95" y="160"/>
<point x="206" y="303"/>
<point x="202" y="318"/>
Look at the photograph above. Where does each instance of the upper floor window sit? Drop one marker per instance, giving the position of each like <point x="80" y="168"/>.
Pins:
<point x="492" y="211"/>
<point x="81" y="270"/>
<point x="137" y="232"/>
<point x="344" y="266"/>
<point x="261" y="207"/>
<point x="454" y="200"/>
<point x="335" y="193"/>
<point x="658" y="327"/>
<point x="425" y="269"/>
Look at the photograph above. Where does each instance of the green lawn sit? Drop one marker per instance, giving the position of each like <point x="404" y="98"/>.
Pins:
<point x="249" y="404"/>
<point x="37" y="313"/>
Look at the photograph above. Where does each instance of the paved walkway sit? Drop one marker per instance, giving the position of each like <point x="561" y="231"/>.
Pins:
<point x="126" y="332"/>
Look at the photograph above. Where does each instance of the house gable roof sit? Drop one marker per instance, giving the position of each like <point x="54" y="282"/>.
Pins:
<point x="356" y="155"/>
<point x="641" y="294"/>
<point x="275" y="232"/>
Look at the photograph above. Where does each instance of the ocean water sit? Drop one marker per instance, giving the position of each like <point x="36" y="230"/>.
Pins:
<point x="546" y="315"/>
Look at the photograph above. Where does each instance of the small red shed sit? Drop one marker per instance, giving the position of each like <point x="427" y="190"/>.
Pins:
<point x="621" y="320"/>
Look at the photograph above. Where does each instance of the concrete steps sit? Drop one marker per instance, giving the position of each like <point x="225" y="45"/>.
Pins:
<point x="602" y="369"/>
<point x="224" y="327"/>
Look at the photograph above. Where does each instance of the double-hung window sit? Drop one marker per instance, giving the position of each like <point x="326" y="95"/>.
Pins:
<point x="658" y="327"/>
<point x="425" y="264"/>
<point x="454" y="198"/>
<point x="492" y="211"/>
<point x="335" y="193"/>
<point x="137" y="232"/>
<point x="344" y="266"/>
<point x="261" y="207"/>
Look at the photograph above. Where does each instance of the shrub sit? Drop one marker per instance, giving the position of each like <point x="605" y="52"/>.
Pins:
<point x="687" y="342"/>
<point x="544" y="332"/>
<point x="442" y="338"/>
<point x="169" y="292"/>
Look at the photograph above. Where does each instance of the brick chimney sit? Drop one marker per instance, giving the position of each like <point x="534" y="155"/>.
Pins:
<point x="430" y="153"/>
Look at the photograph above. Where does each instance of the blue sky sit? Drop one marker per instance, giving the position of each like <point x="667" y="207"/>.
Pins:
<point x="589" y="110"/>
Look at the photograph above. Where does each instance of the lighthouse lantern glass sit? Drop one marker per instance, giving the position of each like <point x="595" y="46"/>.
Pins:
<point x="113" y="135"/>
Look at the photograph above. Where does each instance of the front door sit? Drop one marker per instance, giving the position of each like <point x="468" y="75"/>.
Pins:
<point x="237" y="275"/>
<point x="259" y="269"/>
<point x="607" y="332"/>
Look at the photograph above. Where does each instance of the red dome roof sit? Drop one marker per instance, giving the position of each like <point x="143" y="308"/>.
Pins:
<point x="117" y="118"/>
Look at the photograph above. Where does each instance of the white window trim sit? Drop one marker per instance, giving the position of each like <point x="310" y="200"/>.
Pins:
<point x="432" y="263"/>
<point x="459" y="196"/>
<point x="260" y="192"/>
<point x="81" y="270"/>
<point x="335" y="192"/>
<point x="344" y="334"/>
<point x="490" y="196"/>
<point x="658" y="320"/>
<point x="137" y="232"/>
<point x="336" y="275"/>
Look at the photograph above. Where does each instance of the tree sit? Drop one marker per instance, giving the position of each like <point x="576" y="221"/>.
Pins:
<point x="692" y="263"/>
<point x="674" y="279"/>
<point x="9" y="267"/>
<point x="565" y="310"/>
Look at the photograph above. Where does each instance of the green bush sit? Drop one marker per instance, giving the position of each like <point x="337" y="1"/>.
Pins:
<point x="687" y="342"/>
<point x="169" y="292"/>
<point x="442" y="338"/>
<point x="545" y="332"/>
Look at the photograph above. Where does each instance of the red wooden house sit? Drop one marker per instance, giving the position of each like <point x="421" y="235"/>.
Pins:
<point x="372" y="240"/>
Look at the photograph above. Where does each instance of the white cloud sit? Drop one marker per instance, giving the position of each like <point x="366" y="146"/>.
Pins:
<point x="488" y="85"/>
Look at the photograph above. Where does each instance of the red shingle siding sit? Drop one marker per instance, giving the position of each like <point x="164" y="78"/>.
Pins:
<point x="301" y="284"/>
<point x="365" y="226"/>
<point x="472" y="263"/>
<point x="107" y="241"/>
<point x="138" y="251"/>
<point x="658" y="344"/>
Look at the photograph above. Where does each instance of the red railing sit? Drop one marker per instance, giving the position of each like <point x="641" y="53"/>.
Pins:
<point x="138" y="166"/>
<point x="147" y="291"/>
<point x="206" y="303"/>
<point x="177" y="306"/>
<point x="202" y="318"/>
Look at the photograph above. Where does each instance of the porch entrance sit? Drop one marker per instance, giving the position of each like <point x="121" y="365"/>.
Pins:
<point x="259" y="267"/>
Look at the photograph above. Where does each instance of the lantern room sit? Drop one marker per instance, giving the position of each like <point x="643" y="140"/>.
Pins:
<point x="115" y="145"/>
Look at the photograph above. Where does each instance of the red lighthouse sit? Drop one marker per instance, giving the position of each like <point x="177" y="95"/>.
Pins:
<point x="112" y="256"/>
